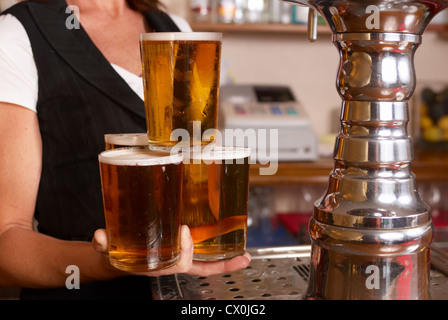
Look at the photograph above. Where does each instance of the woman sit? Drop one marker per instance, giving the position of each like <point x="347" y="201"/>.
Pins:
<point x="62" y="88"/>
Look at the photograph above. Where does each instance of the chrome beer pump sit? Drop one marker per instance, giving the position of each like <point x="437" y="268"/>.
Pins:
<point x="371" y="231"/>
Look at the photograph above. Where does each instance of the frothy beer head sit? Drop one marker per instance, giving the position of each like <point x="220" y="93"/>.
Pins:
<point x="181" y="36"/>
<point x="116" y="140"/>
<point x="138" y="157"/>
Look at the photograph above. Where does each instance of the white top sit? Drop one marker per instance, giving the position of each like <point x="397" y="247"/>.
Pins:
<point x="18" y="72"/>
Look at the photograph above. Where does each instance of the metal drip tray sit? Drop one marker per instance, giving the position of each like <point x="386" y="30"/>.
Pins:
<point x="279" y="273"/>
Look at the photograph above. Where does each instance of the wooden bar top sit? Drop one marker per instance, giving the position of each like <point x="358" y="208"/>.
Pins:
<point x="428" y="166"/>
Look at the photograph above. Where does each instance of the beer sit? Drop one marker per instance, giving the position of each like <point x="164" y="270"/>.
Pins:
<point x="181" y="85"/>
<point x="119" y="140"/>
<point x="141" y="197"/>
<point x="215" y="202"/>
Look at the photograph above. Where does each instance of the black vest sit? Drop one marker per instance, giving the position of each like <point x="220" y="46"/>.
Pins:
<point x="81" y="98"/>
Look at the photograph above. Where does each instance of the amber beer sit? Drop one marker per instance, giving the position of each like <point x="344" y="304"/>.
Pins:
<point x="215" y="192"/>
<point x="181" y="73"/>
<point x="120" y="140"/>
<point x="141" y="196"/>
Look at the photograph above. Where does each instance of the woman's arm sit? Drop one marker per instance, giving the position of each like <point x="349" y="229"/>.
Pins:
<point x="28" y="258"/>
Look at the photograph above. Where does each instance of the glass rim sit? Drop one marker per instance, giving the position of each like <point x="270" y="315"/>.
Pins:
<point x="182" y="36"/>
<point x="126" y="139"/>
<point x="134" y="156"/>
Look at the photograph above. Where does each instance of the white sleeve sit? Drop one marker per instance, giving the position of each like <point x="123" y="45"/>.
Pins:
<point x="181" y="23"/>
<point x="18" y="72"/>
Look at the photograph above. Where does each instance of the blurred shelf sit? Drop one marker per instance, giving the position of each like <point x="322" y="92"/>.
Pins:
<point x="281" y="28"/>
<point x="256" y="28"/>
<point x="307" y="172"/>
<point x="428" y="166"/>
<point x="440" y="28"/>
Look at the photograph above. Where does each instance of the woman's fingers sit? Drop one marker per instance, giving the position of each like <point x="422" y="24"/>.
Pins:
<point x="203" y="268"/>
<point x="185" y="262"/>
<point x="99" y="241"/>
<point x="186" y="252"/>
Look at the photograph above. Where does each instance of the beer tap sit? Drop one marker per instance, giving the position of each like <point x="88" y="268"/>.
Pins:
<point x="371" y="231"/>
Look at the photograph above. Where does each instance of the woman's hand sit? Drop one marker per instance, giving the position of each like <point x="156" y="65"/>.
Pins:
<point x="185" y="263"/>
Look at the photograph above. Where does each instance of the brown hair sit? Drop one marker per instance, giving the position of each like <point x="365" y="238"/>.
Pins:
<point x="145" y="5"/>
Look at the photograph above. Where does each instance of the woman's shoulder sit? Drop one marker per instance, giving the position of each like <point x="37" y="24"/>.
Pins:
<point x="18" y="83"/>
<point x="10" y="28"/>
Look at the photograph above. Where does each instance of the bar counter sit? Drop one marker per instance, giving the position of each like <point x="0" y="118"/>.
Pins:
<point x="429" y="165"/>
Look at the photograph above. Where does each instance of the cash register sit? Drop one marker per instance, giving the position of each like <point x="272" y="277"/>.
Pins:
<point x="273" y="115"/>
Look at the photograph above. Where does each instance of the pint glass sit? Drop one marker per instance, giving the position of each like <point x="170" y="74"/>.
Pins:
<point x="141" y="197"/>
<point x="120" y="140"/>
<point x="215" y="192"/>
<point x="181" y="73"/>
